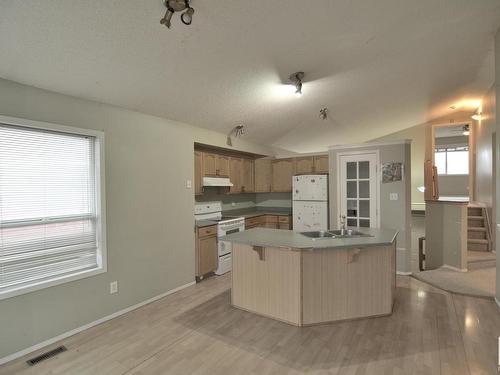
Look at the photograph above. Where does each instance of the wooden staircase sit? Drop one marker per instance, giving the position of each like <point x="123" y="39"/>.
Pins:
<point x="479" y="244"/>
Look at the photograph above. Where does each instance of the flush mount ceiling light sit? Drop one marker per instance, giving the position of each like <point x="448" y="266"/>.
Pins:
<point x="237" y="132"/>
<point x="178" y="6"/>
<point x="465" y="130"/>
<point x="323" y="113"/>
<point x="296" y="79"/>
<point x="477" y="116"/>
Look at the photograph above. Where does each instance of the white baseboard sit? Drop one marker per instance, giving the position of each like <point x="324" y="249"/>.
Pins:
<point x="454" y="268"/>
<point x="402" y="273"/>
<point x="497" y="301"/>
<point x="64" y="335"/>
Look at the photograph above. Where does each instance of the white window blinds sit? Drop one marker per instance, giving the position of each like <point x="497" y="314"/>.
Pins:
<point x="47" y="206"/>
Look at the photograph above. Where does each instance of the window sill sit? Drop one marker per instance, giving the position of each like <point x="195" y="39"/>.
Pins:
<point x="50" y="283"/>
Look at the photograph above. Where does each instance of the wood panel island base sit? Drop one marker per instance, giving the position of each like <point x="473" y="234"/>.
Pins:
<point x="301" y="281"/>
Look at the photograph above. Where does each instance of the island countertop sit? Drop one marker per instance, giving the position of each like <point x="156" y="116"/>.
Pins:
<point x="266" y="237"/>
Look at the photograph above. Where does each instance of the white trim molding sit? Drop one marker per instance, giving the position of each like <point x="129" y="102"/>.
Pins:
<point x="67" y="334"/>
<point x="401" y="273"/>
<point x="497" y="302"/>
<point x="369" y="144"/>
<point x="454" y="268"/>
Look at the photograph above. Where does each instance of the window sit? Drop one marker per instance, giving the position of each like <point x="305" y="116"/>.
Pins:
<point x="452" y="160"/>
<point x="51" y="224"/>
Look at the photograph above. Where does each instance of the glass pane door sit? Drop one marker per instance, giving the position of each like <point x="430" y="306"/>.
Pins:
<point x="358" y="190"/>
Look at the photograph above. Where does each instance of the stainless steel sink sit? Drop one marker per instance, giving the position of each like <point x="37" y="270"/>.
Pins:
<point x="318" y="234"/>
<point x="348" y="233"/>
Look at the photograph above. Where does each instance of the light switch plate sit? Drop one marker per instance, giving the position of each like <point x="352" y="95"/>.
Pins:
<point x="393" y="196"/>
<point x="189" y="184"/>
<point x="113" y="287"/>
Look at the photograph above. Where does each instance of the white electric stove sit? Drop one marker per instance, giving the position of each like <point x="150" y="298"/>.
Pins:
<point x="225" y="225"/>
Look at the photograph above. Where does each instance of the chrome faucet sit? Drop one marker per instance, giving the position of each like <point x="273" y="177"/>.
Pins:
<point x="342" y="225"/>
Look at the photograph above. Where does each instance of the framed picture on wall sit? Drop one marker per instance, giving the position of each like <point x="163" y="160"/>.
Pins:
<point x="392" y="172"/>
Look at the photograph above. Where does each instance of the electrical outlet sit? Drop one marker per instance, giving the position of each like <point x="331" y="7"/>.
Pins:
<point x="113" y="287"/>
<point x="189" y="184"/>
<point x="393" y="196"/>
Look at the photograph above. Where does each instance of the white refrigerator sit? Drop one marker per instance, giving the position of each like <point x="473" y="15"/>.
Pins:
<point x="310" y="203"/>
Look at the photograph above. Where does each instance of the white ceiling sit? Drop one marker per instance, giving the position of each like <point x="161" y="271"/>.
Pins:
<point x="378" y="66"/>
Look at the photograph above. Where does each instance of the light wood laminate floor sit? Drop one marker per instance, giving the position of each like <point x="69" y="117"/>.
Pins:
<point x="196" y="331"/>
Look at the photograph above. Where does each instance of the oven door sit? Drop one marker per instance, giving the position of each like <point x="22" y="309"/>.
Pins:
<point x="225" y="247"/>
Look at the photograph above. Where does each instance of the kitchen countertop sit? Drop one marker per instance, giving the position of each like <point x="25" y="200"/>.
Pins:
<point x="289" y="239"/>
<point x="204" y="223"/>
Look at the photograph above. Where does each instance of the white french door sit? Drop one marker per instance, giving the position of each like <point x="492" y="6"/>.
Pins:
<point x="358" y="189"/>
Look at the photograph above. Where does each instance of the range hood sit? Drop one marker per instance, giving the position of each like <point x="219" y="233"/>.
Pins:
<point x="216" y="181"/>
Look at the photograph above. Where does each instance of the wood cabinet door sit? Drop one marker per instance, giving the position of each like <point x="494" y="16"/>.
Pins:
<point x="207" y="255"/>
<point x="282" y="173"/>
<point x="209" y="164"/>
<point x="321" y="164"/>
<point x="247" y="176"/>
<point x="198" y="173"/>
<point x="222" y="166"/>
<point x="263" y="175"/>
<point x="235" y="175"/>
<point x="304" y="165"/>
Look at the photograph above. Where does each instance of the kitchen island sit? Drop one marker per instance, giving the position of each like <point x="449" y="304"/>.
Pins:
<point x="300" y="280"/>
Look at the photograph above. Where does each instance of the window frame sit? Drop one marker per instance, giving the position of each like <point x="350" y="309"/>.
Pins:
<point x="446" y="151"/>
<point x="99" y="200"/>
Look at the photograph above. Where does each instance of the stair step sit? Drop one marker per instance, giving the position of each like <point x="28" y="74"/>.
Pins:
<point x="475" y="211"/>
<point x="475" y="217"/>
<point x="477" y="234"/>
<point x="477" y="246"/>
<point x="481" y="264"/>
<point x="476" y="229"/>
<point x="480" y="259"/>
<point x="477" y="240"/>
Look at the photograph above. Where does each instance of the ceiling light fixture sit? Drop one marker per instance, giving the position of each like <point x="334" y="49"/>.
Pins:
<point x="477" y="116"/>
<point x="296" y="79"/>
<point x="237" y="132"/>
<point x="323" y="113"/>
<point x="466" y="130"/>
<point x="178" y="6"/>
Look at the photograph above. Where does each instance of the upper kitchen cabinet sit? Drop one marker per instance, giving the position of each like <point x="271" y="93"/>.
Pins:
<point x="209" y="164"/>
<point x="263" y="175"/>
<point x="235" y="175"/>
<point x="247" y="176"/>
<point x="321" y="164"/>
<point x="304" y="165"/>
<point x="222" y="165"/>
<point x="198" y="173"/>
<point x="282" y="173"/>
<point x="215" y="165"/>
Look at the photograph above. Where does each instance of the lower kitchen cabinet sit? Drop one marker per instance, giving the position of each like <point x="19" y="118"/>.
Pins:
<point x="268" y="221"/>
<point x="206" y="250"/>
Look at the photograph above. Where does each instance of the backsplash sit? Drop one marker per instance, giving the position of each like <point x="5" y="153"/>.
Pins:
<point x="237" y="201"/>
<point x="274" y="199"/>
<point x="229" y="201"/>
